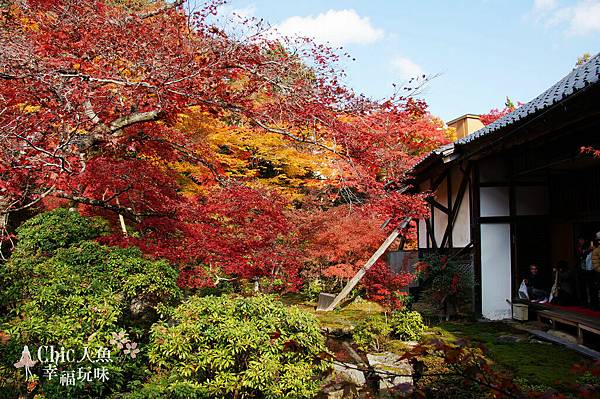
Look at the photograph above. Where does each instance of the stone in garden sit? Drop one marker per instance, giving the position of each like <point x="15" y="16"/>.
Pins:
<point x="339" y="394"/>
<point x="339" y="331"/>
<point x="509" y="339"/>
<point x="141" y="308"/>
<point x="348" y="372"/>
<point x="537" y="341"/>
<point x="342" y="394"/>
<point x="563" y="335"/>
<point x="386" y="365"/>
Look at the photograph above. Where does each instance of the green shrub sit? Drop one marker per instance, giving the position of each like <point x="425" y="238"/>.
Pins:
<point x="59" y="228"/>
<point x="372" y="333"/>
<point x="76" y="293"/>
<point x="407" y="325"/>
<point x="235" y="348"/>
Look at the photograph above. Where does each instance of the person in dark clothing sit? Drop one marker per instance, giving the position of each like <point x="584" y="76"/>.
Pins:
<point x="585" y="272"/>
<point x="565" y="284"/>
<point x="595" y="286"/>
<point x="536" y="284"/>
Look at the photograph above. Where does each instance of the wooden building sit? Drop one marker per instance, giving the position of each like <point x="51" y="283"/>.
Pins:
<point x="517" y="191"/>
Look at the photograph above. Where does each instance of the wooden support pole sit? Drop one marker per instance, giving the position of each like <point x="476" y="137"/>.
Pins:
<point x="122" y="222"/>
<point x="359" y="275"/>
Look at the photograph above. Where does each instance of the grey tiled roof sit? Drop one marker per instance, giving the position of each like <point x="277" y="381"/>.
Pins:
<point x="585" y="75"/>
<point x="580" y="77"/>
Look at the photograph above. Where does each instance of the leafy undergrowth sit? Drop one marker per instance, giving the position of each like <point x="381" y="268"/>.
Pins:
<point x="535" y="364"/>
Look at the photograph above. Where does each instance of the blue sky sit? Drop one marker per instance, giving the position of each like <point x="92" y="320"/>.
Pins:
<point x="484" y="50"/>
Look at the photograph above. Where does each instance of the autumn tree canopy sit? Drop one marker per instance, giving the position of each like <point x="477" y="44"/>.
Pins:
<point x="201" y="147"/>
<point x="495" y="113"/>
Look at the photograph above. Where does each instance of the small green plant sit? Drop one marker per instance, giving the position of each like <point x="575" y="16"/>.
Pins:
<point x="407" y="325"/>
<point x="314" y="288"/>
<point x="372" y="333"/>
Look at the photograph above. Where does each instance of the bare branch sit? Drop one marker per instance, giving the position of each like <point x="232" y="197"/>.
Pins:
<point x="118" y="125"/>
<point x="90" y="113"/>
<point x="30" y="204"/>
<point x="120" y="82"/>
<point x="286" y="133"/>
<point x="129" y="213"/>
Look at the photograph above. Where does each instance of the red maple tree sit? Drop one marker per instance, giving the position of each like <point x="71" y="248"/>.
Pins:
<point x="495" y="113"/>
<point x="91" y="96"/>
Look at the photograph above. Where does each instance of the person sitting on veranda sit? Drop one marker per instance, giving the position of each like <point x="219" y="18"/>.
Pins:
<point x="536" y="284"/>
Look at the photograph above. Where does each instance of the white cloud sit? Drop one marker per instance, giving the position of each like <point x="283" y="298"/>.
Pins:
<point x="334" y="27"/>
<point x="543" y="5"/>
<point x="582" y="18"/>
<point x="405" y="68"/>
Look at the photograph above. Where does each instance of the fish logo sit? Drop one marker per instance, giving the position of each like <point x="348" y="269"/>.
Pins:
<point x="26" y="362"/>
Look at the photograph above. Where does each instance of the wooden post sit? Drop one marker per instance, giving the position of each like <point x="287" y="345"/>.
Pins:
<point x="122" y="221"/>
<point x="354" y="280"/>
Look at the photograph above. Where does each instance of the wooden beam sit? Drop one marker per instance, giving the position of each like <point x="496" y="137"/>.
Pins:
<point x="359" y="275"/>
<point x="474" y="202"/>
<point x="439" y="206"/>
<point x="561" y="341"/>
<point x="431" y="234"/>
<point x="454" y="213"/>
<point x="438" y="180"/>
<point x="450" y="207"/>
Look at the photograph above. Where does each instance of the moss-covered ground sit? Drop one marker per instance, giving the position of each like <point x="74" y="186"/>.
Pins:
<point x="342" y="319"/>
<point x="537" y="363"/>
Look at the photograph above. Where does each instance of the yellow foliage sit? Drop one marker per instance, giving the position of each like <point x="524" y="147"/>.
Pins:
<point x="276" y="162"/>
<point x="29" y="25"/>
<point x="451" y="134"/>
<point x="29" y="108"/>
<point x="261" y="159"/>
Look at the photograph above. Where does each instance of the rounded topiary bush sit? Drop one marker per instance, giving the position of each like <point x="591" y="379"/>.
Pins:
<point x="407" y="325"/>
<point x="236" y="348"/>
<point x="59" y="228"/>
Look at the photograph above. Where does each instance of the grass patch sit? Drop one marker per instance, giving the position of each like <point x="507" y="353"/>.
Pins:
<point x="538" y="364"/>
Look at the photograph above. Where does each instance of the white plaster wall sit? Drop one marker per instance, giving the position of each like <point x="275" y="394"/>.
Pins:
<point x="461" y="235"/>
<point x="494" y="201"/>
<point x="441" y="221"/>
<point x="440" y="218"/>
<point x="495" y="271"/>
